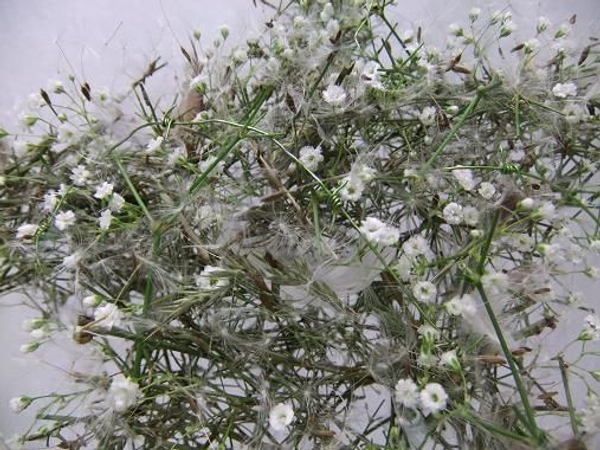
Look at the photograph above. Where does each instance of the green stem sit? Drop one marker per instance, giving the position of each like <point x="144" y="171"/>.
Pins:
<point x="463" y="118"/>
<point x="530" y="416"/>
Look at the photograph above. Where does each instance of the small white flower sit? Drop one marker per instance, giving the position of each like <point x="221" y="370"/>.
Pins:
<point x="407" y="393"/>
<point x="424" y="291"/>
<point x="55" y="86"/>
<point x="591" y="328"/>
<point x="50" y="201"/>
<point x="465" y="178"/>
<point x="377" y="232"/>
<point x="428" y="332"/>
<point x="311" y="157"/>
<point x="105" y="219"/>
<point x="564" y="90"/>
<point x="427" y="116"/>
<point x="417" y="246"/>
<point x="433" y="399"/>
<point x="108" y="315"/>
<point x="26" y="230"/>
<point x="352" y="188"/>
<point x="79" y="175"/>
<point x="462" y="306"/>
<point x="527" y="203"/>
<point x="452" y="213"/>
<point x="474" y="14"/>
<point x="212" y="278"/>
<point x="123" y="393"/>
<point x="486" y="190"/>
<point x="370" y="75"/>
<point x="334" y="95"/>
<point x="547" y="211"/>
<point x="154" y="144"/>
<point x="19" y="404"/>
<point x="91" y="301"/>
<point x="64" y="220"/>
<point x="542" y="24"/>
<point x="104" y="190"/>
<point x="116" y="203"/>
<point x="280" y="416"/>
<point x="450" y="359"/>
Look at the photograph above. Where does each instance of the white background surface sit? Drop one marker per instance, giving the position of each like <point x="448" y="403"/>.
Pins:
<point x="110" y="43"/>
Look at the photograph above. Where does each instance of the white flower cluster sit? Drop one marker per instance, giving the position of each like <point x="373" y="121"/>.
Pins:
<point x="377" y="232"/>
<point x="123" y="393"/>
<point x="430" y="400"/>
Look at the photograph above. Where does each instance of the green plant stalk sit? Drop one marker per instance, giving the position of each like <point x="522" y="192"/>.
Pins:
<point x="463" y="118"/>
<point x="133" y="190"/>
<point x="565" y="378"/>
<point x="531" y="423"/>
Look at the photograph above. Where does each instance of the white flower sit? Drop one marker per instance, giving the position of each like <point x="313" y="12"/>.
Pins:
<point x="154" y="144"/>
<point x="591" y="328"/>
<point x="433" y="399"/>
<point x="527" y="203"/>
<point x="407" y="393"/>
<point x="542" y="24"/>
<point x="465" y="178"/>
<point x="334" y="95"/>
<point x="104" y="190"/>
<point x="79" y="175"/>
<point x="370" y="75"/>
<point x="311" y="157"/>
<point x="50" y="200"/>
<point x="280" y="416"/>
<point x="352" y="188"/>
<point x="461" y="306"/>
<point x="427" y="116"/>
<point x="116" y="203"/>
<point x="486" y="190"/>
<point x="26" y="230"/>
<point x="428" y="332"/>
<point x="452" y="213"/>
<point x="91" y="301"/>
<point x="55" y="86"/>
<point x="212" y="278"/>
<point x="417" y="246"/>
<point x="123" y="393"/>
<point x="377" y="232"/>
<point x="108" y="315"/>
<point x="564" y="90"/>
<point x="64" y="220"/>
<point x="18" y="404"/>
<point x="474" y="14"/>
<point x="105" y="219"/>
<point x="547" y="211"/>
<point x="424" y="291"/>
<point x="450" y="359"/>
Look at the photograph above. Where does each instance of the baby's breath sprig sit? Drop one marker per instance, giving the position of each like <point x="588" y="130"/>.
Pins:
<point x="339" y="236"/>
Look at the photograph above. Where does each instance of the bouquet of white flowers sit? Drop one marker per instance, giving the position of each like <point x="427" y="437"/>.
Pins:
<point x="341" y="238"/>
